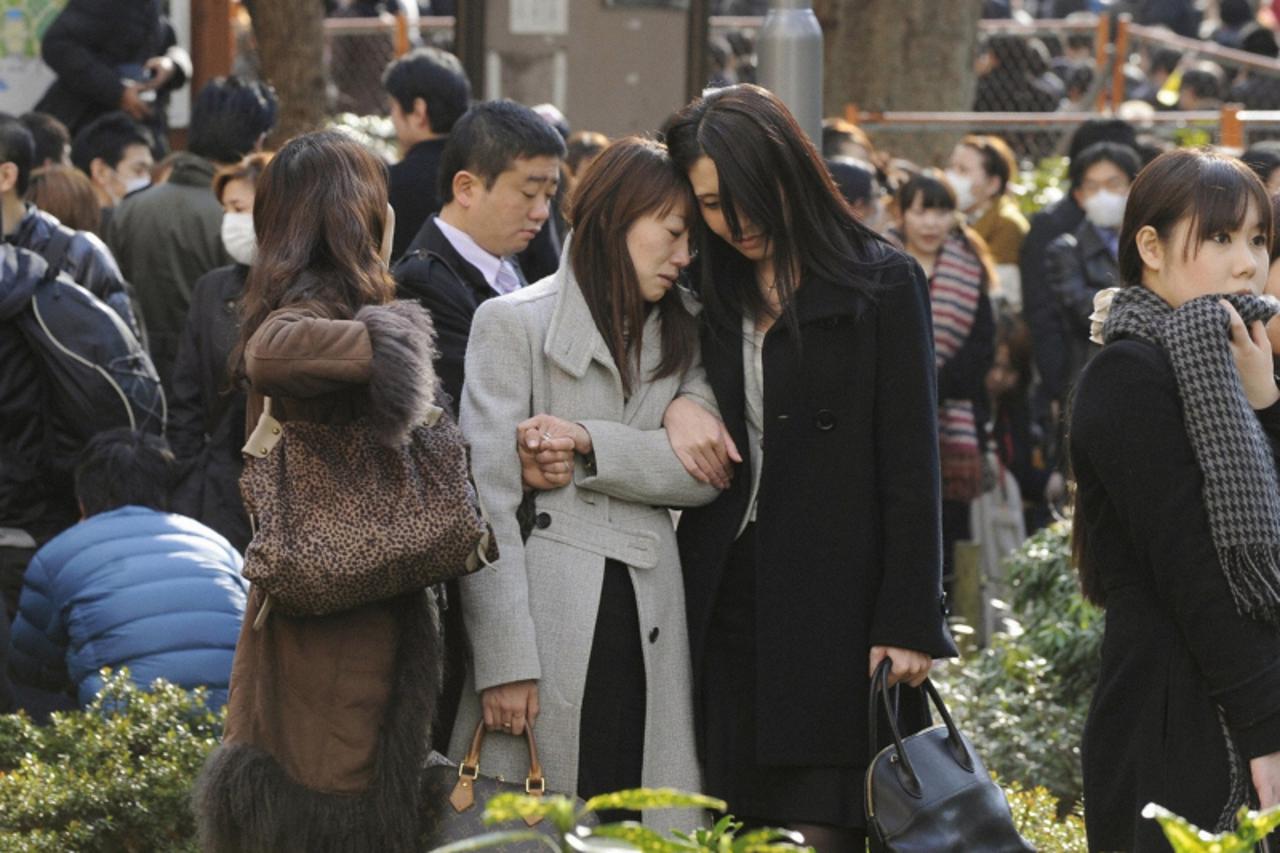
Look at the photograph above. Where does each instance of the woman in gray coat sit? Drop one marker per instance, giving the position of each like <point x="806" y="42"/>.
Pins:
<point x="580" y="630"/>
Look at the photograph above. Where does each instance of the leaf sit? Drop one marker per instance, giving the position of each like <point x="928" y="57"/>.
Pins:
<point x="642" y="838"/>
<point x="496" y="839"/>
<point x="641" y="799"/>
<point x="1184" y="836"/>
<point x="507" y="807"/>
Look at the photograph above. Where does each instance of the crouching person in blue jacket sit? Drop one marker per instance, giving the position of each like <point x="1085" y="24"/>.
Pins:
<point x="131" y="585"/>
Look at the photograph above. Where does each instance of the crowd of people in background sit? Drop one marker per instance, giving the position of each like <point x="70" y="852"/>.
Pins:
<point x="184" y="286"/>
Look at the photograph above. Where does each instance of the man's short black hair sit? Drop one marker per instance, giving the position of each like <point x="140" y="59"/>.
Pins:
<point x="1263" y="158"/>
<point x="106" y="138"/>
<point x="1123" y="156"/>
<point x="17" y="147"/>
<point x="228" y="118"/>
<point x="51" y="137"/>
<point x="490" y="137"/>
<point x="1165" y="59"/>
<point x="1101" y="130"/>
<point x="122" y="467"/>
<point x="435" y="76"/>
<point x="1202" y="82"/>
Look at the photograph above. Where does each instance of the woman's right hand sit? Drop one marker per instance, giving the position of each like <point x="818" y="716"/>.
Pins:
<point x="1251" y="350"/>
<point x="701" y="442"/>
<point x="510" y="707"/>
<point x="1265" y="771"/>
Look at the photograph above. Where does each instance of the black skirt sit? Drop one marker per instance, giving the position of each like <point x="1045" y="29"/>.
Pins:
<point x="611" y="725"/>
<point x="761" y="794"/>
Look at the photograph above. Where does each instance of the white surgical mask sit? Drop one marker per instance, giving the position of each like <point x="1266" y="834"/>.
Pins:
<point x="963" y="187"/>
<point x="238" y="237"/>
<point x="1105" y="209"/>
<point x="134" y="184"/>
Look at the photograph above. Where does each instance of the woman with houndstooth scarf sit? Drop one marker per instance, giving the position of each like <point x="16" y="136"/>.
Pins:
<point x="1173" y="439"/>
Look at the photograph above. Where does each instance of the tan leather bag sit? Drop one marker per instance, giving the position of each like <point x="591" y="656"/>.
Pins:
<point x="340" y="520"/>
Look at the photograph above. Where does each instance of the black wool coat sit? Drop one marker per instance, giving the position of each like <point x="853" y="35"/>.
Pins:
<point x="413" y="189"/>
<point x="206" y="415"/>
<point x="1175" y="650"/>
<point x="848" y="518"/>
<point x="1077" y="266"/>
<point x="433" y="273"/>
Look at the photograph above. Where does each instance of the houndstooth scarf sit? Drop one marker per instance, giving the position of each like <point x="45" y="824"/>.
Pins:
<point x="1241" y="492"/>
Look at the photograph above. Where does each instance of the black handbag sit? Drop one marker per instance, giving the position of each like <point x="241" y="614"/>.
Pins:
<point x="929" y="791"/>
<point x="454" y="799"/>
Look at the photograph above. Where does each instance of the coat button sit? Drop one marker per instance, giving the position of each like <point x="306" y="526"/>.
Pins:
<point x="542" y="521"/>
<point x="825" y="420"/>
<point x="653" y="635"/>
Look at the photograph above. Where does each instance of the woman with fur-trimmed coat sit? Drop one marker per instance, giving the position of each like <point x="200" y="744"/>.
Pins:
<point x="328" y="717"/>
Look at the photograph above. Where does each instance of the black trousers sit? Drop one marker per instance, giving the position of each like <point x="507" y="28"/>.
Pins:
<point x="611" y="725"/>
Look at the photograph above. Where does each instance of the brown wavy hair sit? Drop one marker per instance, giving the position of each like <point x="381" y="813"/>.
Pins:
<point x="632" y="178"/>
<point x="319" y="211"/>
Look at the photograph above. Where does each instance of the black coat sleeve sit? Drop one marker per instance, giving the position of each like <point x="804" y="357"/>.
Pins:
<point x="1039" y="308"/>
<point x="1069" y="285"/>
<point x="452" y="308"/>
<point x="71" y="47"/>
<point x="1128" y="429"/>
<point x="186" y="430"/>
<point x="908" y="610"/>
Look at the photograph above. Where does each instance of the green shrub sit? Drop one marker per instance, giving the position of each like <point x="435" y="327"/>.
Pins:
<point x="1023" y="700"/>
<point x="1042" y="187"/>
<point x="114" y="777"/>
<point x="1036" y="815"/>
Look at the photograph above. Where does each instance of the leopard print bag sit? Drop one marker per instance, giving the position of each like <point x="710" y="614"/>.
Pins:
<point x="341" y="520"/>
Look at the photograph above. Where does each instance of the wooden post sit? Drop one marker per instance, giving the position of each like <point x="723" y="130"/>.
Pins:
<point x="402" y="34"/>
<point x="1117" y="67"/>
<point x="1232" y="128"/>
<point x="1101" y="41"/>
<point x="213" y="41"/>
<point x="967" y="587"/>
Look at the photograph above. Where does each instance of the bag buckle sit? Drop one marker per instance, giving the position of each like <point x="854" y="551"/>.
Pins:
<point x="468" y="771"/>
<point x="537" y="786"/>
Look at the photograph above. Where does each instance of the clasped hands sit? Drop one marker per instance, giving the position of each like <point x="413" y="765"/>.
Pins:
<point x="547" y="444"/>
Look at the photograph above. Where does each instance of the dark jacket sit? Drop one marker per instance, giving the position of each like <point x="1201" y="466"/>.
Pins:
<point x="206" y="416"/>
<point x="1038" y="304"/>
<point x="1175" y="649"/>
<point x="328" y="717"/>
<point x="440" y="280"/>
<point x="847" y="531"/>
<point x="86" y="259"/>
<point x="165" y="238"/>
<point x="1077" y="265"/>
<point x="156" y="592"/>
<point x="90" y="46"/>
<point x="414" y="191"/>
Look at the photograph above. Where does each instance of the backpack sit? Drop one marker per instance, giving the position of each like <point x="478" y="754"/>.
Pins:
<point x="99" y="375"/>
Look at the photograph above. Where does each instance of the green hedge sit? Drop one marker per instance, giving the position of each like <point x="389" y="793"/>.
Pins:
<point x="1023" y="700"/>
<point x="114" y="777"/>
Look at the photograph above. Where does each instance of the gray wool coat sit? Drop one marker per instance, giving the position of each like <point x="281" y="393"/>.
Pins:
<point x="532" y="614"/>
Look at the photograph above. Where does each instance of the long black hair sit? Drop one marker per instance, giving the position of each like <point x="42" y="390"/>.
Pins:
<point x="773" y="178"/>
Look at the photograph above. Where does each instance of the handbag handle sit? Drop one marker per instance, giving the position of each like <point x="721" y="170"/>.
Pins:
<point x="535" y="783"/>
<point x="906" y="773"/>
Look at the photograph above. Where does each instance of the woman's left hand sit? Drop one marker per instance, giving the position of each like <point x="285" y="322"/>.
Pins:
<point x="1251" y="351"/>
<point x="909" y="666"/>
<point x="548" y="444"/>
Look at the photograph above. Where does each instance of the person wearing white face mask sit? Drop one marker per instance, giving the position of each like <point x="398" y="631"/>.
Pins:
<point x="1082" y="262"/>
<point x="206" y="415"/>
<point x="979" y="171"/>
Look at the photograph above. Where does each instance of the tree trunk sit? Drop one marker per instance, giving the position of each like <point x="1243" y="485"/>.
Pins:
<point x="290" y="36"/>
<point x="900" y="55"/>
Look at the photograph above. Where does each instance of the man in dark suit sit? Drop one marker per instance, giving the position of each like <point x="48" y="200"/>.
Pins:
<point x="499" y="173"/>
<point x="498" y="176"/>
<point x="428" y="91"/>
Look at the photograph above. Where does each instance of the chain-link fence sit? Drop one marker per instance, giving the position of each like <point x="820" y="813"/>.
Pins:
<point x="356" y="52"/>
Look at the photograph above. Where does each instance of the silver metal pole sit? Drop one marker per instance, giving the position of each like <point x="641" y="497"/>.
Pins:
<point x="790" y="57"/>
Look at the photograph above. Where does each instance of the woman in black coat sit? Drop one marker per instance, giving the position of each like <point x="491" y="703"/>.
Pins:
<point x="1173" y="437"/>
<point x="822" y="558"/>
<point x="206" y="414"/>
